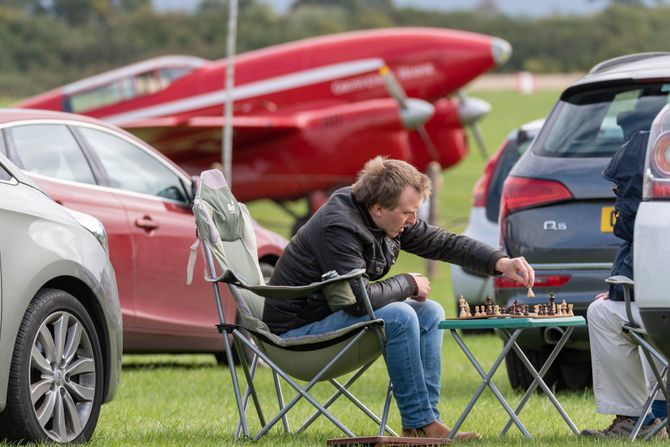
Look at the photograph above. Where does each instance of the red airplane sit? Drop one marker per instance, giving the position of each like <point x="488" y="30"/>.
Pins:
<point x="307" y="114"/>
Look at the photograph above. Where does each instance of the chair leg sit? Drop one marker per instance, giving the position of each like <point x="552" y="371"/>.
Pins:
<point x="250" y="380"/>
<point x="247" y="394"/>
<point x="303" y="392"/>
<point x="280" y="400"/>
<point x="236" y="386"/>
<point x="333" y="397"/>
<point x="385" y="414"/>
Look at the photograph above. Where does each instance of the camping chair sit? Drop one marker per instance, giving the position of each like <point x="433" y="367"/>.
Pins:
<point x="639" y="337"/>
<point x="229" y="247"/>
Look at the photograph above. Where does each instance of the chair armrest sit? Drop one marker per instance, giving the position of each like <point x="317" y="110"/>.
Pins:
<point x="620" y="279"/>
<point x="627" y="284"/>
<point x="287" y="292"/>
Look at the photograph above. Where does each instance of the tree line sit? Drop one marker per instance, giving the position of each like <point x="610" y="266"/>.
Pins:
<point x="47" y="43"/>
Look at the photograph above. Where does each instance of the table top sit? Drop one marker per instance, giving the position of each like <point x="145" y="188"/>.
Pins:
<point x="511" y="323"/>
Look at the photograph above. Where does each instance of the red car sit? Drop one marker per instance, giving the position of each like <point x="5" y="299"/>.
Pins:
<point x="144" y="201"/>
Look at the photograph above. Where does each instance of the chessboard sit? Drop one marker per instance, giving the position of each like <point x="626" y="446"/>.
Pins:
<point x="551" y="309"/>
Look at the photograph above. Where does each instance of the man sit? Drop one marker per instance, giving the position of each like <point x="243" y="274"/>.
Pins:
<point x="621" y="377"/>
<point x="365" y="226"/>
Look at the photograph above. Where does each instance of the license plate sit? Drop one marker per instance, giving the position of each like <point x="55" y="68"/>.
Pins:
<point x="607" y="219"/>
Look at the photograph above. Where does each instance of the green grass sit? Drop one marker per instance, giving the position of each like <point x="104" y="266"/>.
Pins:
<point x="188" y="400"/>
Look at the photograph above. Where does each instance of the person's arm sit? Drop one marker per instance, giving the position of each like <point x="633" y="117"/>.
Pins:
<point x="342" y="250"/>
<point x="432" y="242"/>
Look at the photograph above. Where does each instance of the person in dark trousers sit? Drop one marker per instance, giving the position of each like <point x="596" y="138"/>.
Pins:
<point x="365" y="226"/>
<point x="621" y="376"/>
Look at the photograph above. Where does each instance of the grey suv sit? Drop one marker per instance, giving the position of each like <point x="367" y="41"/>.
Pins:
<point x="558" y="211"/>
<point x="60" y="326"/>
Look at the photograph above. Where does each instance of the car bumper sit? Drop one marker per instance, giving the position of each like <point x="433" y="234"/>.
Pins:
<point x="652" y="282"/>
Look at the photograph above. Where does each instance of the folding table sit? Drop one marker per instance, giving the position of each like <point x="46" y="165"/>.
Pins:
<point x="510" y="329"/>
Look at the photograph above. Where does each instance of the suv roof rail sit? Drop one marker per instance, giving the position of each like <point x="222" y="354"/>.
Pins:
<point x="611" y="63"/>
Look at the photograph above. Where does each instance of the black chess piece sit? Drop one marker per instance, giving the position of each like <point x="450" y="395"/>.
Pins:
<point x="525" y="310"/>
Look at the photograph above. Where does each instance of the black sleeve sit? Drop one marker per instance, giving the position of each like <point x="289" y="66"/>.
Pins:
<point x="342" y="251"/>
<point x="432" y="242"/>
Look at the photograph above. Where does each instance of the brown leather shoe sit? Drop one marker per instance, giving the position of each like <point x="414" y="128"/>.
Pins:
<point x="436" y="429"/>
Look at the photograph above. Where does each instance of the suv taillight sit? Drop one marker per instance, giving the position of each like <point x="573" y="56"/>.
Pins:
<point x="520" y="192"/>
<point x="501" y="282"/>
<point x="657" y="169"/>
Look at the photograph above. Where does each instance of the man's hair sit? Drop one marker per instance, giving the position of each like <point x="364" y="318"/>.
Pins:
<point x="382" y="181"/>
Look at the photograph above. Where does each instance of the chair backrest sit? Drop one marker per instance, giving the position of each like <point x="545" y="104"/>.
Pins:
<point x="225" y="228"/>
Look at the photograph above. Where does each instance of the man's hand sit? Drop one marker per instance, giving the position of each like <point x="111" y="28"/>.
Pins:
<point x="602" y="296"/>
<point x="423" y="287"/>
<point x="517" y="269"/>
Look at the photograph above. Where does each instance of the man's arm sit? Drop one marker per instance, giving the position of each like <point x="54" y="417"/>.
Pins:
<point x="432" y="242"/>
<point x="342" y="250"/>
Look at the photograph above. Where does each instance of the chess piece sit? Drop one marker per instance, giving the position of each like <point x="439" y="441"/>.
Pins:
<point x="462" y="313"/>
<point x="496" y="310"/>
<point x="525" y="310"/>
<point x="477" y="314"/>
<point x="570" y="313"/>
<point x="530" y="293"/>
<point x="537" y="309"/>
<point x="552" y="303"/>
<point x="564" y="308"/>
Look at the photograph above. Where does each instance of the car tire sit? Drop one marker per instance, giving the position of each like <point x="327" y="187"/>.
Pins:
<point x="575" y="375"/>
<point x="56" y="378"/>
<point x="266" y="269"/>
<point x="520" y="378"/>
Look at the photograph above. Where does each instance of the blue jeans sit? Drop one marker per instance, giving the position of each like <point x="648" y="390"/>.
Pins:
<point x="413" y="354"/>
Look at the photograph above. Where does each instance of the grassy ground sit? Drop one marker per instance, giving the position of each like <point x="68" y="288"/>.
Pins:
<point x="187" y="400"/>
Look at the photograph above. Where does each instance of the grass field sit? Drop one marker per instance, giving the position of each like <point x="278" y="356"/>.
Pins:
<point x="187" y="400"/>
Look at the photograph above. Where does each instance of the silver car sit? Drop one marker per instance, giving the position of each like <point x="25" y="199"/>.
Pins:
<point x="60" y="326"/>
<point x="652" y="236"/>
<point x="483" y="220"/>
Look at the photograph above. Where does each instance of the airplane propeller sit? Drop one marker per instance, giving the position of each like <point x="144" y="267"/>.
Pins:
<point x="413" y="112"/>
<point x="471" y="110"/>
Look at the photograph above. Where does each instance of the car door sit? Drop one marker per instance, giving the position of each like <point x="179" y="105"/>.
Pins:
<point x="162" y="230"/>
<point x="52" y="155"/>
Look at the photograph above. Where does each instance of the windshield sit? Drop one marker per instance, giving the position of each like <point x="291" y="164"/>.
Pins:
<point x="596" y="123"/>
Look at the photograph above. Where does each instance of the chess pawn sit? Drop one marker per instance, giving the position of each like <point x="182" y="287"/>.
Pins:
<point x="537" y="309"/>
<point x="477" y="314"/>
<point x="570" y="313"/>
<point x="467" y="312"/>
<point x="525" y="310"/>
<point x="462" y="313"/>
<point x="496" y="309"/>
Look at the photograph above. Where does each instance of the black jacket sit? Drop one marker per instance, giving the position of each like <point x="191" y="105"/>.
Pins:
<point x="342" y="236"/>
<point x="625" y="170"/>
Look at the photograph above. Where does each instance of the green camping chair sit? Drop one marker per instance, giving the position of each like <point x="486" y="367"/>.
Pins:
<point x="229" y="248"/>
<point x="655" y="359"/>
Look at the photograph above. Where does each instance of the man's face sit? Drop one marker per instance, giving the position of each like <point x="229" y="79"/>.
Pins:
<point x="394" y="220"/>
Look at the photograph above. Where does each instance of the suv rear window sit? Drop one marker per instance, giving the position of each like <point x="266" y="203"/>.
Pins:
<point x="596" y="123"/>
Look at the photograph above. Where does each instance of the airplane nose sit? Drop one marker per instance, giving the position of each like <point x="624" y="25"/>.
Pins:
<point x="415" y="112"/>
<point x="470" y="110"/>
<point x="501" y="50"/>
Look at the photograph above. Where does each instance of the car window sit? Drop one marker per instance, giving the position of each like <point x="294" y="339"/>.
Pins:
<point x="51" y="150"/>
<point x="595" y="123"/>
<point x="131" y="168"/>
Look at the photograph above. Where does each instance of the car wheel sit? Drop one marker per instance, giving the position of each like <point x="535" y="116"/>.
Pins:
<point x="575" y="375"/>
<point x="520" y="378"/>
<point x="267" y="270"/>
<point x="56" y="377"/>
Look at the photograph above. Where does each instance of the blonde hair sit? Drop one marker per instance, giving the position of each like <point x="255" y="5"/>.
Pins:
<point x="382" y="181"/>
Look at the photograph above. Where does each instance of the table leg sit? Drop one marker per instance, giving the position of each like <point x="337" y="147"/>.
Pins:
<point x="511" y="341"/>
<point x="538" y="380"/>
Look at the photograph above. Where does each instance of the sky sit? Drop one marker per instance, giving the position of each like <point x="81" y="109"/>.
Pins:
<point x="528" y="8"/>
